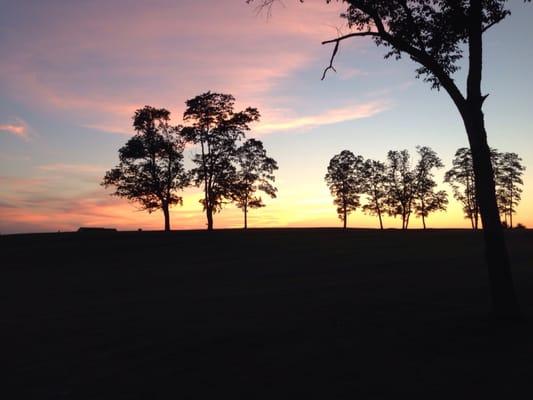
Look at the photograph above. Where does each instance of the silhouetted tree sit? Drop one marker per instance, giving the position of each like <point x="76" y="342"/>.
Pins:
<point x="344" y="182"/>
<point x="461" y="178"/>
<point x="401" y="182"/>
<point x="435" y="34"/>
<point x="217" y="129"/>
<point x="509" y="173"/>
<point x="374" y="185"/>
<point x="427" y="200"/>
<point x="151" y="170"/>
<point x="255" y="173"/>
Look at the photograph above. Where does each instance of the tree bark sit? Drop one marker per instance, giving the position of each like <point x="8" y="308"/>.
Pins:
<point x="166" y="213"/>
<point x="245" y="217"/>
<point x="380" y="220"/>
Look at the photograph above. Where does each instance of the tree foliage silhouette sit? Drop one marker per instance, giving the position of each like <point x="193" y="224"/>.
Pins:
<point x="401" y="182"/>
<point x="461" y="179"/>
<point x="344" y="182"/>
<point x="151" y="169"/>
<point x="435" y="34"/>
<point x="374" y="186"/>
<point x="427" y="200"/>
<point x="217" y="128"/>
<point x="509" y="173"/>
<point x="255" y="173"/>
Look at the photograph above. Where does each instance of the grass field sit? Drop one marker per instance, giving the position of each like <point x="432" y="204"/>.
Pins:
<point x="300" y="313"/>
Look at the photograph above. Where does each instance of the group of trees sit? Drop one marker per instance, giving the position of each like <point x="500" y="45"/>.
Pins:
<point x="394" y="188"/>
<point x="227" y="167"/>
<point x="508" y="171"/>
<point x="399" y="190"/>
<point x="435" y="35"/>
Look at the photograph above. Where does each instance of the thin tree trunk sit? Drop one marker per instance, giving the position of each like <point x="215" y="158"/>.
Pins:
<point x="423" y="212"/>
<point x="378" y="209"/>
<point x="207" y="194"/>
<point x="166" y="213"/>
<point x="345" y="217"/>
<point x="209" y="213"/>
<point x="511" y="210"/>
<point x="245" y="216"/>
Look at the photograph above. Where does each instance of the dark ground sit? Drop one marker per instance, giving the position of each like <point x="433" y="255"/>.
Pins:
<point x="261" y="314"/>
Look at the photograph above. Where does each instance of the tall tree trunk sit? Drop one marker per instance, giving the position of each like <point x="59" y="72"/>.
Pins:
<point x="504" y="304"/>
<point x="380" y="220"/>
<point x="245" y="216"/>
<point x="166" y="213"/>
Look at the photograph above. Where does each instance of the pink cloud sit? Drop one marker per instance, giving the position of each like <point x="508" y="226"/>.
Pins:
<point x="163" y="60"/>
<point x="331" y="116"/>
<point x="18" y="128"/>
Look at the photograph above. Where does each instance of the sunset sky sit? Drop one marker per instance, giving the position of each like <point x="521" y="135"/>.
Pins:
<point x="72" y="73"/>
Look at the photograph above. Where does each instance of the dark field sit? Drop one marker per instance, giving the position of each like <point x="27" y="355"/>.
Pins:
<point x="268" y="314"/>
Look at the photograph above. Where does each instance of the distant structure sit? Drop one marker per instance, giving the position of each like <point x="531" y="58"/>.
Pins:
<point x="95" y="230"/>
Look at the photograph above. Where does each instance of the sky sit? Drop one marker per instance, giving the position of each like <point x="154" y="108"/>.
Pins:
<point x="72" y="73"/>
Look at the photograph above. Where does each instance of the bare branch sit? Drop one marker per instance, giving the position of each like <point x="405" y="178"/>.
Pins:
<point x="330" y="66"/>
<point x="349" y="35"/>
<point x="336" y="48"/>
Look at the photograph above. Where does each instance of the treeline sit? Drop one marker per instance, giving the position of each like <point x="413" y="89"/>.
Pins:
<point x="398" y="189"/>
<point x="229" y="168"/>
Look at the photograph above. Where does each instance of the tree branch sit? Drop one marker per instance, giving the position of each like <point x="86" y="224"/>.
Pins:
<point x="487" y="27"/>
<point x="336" y="48"/>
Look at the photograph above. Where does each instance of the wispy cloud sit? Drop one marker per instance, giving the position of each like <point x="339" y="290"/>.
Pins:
<point x="56" y="72"/>
<point x="18" y="128"/>
<point x="72" y="168"/>
<point x="328" y="117"/>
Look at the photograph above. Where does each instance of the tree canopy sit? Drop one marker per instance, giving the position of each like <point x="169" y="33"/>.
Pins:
<point x="344" y="182"/>
<point x="255" y="173"/>
<point x="217" y="128"/>
<point x="427" y="200"/>
<point x="151" y="170"/>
